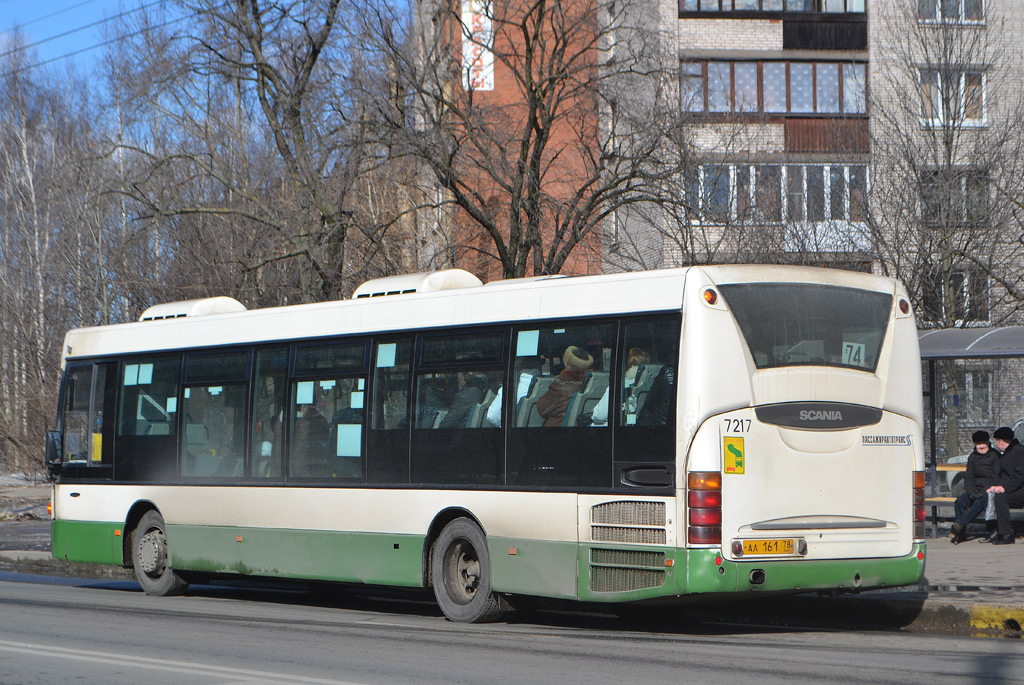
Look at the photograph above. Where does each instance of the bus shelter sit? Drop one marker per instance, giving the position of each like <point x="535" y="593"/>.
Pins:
<point x="973" y="380"/>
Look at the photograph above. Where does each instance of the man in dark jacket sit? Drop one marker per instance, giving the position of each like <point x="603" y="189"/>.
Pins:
<point x="981" y="474"/>
<point x="1010" y="489"/>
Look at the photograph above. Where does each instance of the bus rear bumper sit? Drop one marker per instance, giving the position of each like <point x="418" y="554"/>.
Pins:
<point x="704" y="574"/>
<point x="706" y="571"/>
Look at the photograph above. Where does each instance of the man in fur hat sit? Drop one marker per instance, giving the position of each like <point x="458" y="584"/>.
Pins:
<point x="1010" y="488"/>
<point x="553" y="404"/>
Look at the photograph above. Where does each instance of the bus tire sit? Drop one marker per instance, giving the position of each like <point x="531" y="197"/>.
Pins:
<point x="149" y="558"/>
<point x="461" y="570"/>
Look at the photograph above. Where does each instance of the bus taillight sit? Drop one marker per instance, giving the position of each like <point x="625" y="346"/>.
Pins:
<point x="704" y="498"/>
<point x="919" y="508"/>
<point x="704" y="508"/>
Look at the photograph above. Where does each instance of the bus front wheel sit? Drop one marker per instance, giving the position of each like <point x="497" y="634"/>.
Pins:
<point x="149" y="556"/>
<point x="461" y="572"/>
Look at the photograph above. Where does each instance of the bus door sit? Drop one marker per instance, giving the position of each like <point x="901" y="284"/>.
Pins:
<point x="83" y="446"/>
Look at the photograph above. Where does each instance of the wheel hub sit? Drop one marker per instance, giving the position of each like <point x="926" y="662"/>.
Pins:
<point x="469" y="573"/>
<point x="152" y="557"/>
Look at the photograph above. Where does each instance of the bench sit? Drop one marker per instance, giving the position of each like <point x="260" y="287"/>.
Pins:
<point x="941" y="501"/>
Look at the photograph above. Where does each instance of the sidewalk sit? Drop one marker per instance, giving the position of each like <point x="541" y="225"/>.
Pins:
<point x="971" y="588"/>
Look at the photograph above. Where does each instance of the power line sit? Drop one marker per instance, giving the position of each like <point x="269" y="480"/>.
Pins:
<point x="93" y="47"/>
<point x="48" y="16"/>
<point x="120" y="15"/>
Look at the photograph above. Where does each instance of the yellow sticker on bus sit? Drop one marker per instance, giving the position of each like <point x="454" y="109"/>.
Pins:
<point x="734" y="455"/>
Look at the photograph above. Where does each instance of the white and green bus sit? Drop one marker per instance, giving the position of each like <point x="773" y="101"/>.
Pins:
<point x="664" y="436"/>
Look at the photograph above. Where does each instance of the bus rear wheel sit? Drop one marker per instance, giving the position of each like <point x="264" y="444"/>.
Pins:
<point x="149" y="557"/>
<point x="461" y="572"/>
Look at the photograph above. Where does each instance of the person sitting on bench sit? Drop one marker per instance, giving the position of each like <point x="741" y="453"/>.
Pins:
<point x="981" y="474"/>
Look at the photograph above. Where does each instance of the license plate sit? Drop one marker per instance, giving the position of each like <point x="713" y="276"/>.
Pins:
<point x="784" y="546"/>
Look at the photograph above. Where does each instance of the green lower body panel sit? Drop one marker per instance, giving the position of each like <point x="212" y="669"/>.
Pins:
<point x="377" y="558"/>
<point x="94" y="542"/>
<point x="646" y="574"/>
<point x="533" y="567"/>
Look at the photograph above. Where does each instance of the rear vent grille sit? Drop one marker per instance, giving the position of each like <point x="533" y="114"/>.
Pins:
<point x="640" y="536"/>
<point x="627" y="557"/>
<point x="629" y="513"/>
<point x="620" y="570"/>
<point x="628" y="521"/>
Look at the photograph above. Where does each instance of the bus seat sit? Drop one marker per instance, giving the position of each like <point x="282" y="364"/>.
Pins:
<point x="479" y="411"/>
<point x="583" y="402"/>
<point x="527" y="414"/>
<point x="158" y="429"/>
<point x="441" y="413"/>
<point x="645" y="375"/>
<point x="196" y="437"/>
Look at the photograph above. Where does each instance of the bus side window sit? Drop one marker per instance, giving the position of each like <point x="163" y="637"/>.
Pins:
<point x="387" y="443"/>
<point x="327" y="431"/>
<point x="326" y="410"/>
<point x="269" y="411"/>
<point x="215" y="402"/>
<point x="648" y="379"/>
<point x="391" y="385"/>
<point x="147" y="421"/>
<point x="561" y="373"/>
<point x="457" y="378"/>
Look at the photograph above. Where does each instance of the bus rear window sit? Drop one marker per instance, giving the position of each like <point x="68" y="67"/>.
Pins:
<point x="790" y="324"/>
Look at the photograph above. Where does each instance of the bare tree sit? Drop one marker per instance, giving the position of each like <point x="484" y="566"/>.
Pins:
<point x="247" y="146"/>
<point x="51" y="234"/>
<point x="948" y="159"/>
<point x="536" y="120"/>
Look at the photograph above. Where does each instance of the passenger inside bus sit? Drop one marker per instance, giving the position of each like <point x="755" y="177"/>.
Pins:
<point x="553" y="405"/>
<point x="472" y="390"/>
<point x="309" y="442"/>
<point x="433" y="401"/>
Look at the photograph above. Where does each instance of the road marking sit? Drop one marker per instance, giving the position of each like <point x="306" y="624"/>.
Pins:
<point x="165" y="665"/>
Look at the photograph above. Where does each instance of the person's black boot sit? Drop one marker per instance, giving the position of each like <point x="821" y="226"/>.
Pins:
<point x="957" y="534"/>
<point x="1004" y="540"/>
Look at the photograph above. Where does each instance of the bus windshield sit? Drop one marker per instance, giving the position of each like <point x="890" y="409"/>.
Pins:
<point x="792" y="324"/>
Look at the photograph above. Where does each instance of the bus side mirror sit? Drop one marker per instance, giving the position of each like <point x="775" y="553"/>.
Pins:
<point x="54" y="450"/>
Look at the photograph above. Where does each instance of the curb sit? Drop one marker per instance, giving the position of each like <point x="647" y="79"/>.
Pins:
<point x="43" y="563"/>
<point x="1003" y="621"/>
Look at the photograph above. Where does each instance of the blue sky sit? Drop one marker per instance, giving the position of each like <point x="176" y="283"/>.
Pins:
<point x="62" y="27"/>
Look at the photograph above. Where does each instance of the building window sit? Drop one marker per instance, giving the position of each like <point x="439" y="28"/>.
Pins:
<point x="827" y="6"/>
<point x="954" y="196"/>
<point x="781" y="88"/>
<point x="952" y="96"/>
<point x="968" y="394"/>
<point x="773" y="193"/>
<point x="966" y="291"/>
<point x="951" y="11"/>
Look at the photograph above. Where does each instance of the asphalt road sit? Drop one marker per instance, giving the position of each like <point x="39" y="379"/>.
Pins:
<point x="25" y="535"/>
<point x="56" y="630"/>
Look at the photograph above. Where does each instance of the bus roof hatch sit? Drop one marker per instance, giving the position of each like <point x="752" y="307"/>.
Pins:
<point x="426" y="282"/>
<point x="201" y="307"/>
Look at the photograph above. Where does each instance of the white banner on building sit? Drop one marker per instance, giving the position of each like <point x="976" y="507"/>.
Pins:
<point x="477" y="45"/>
